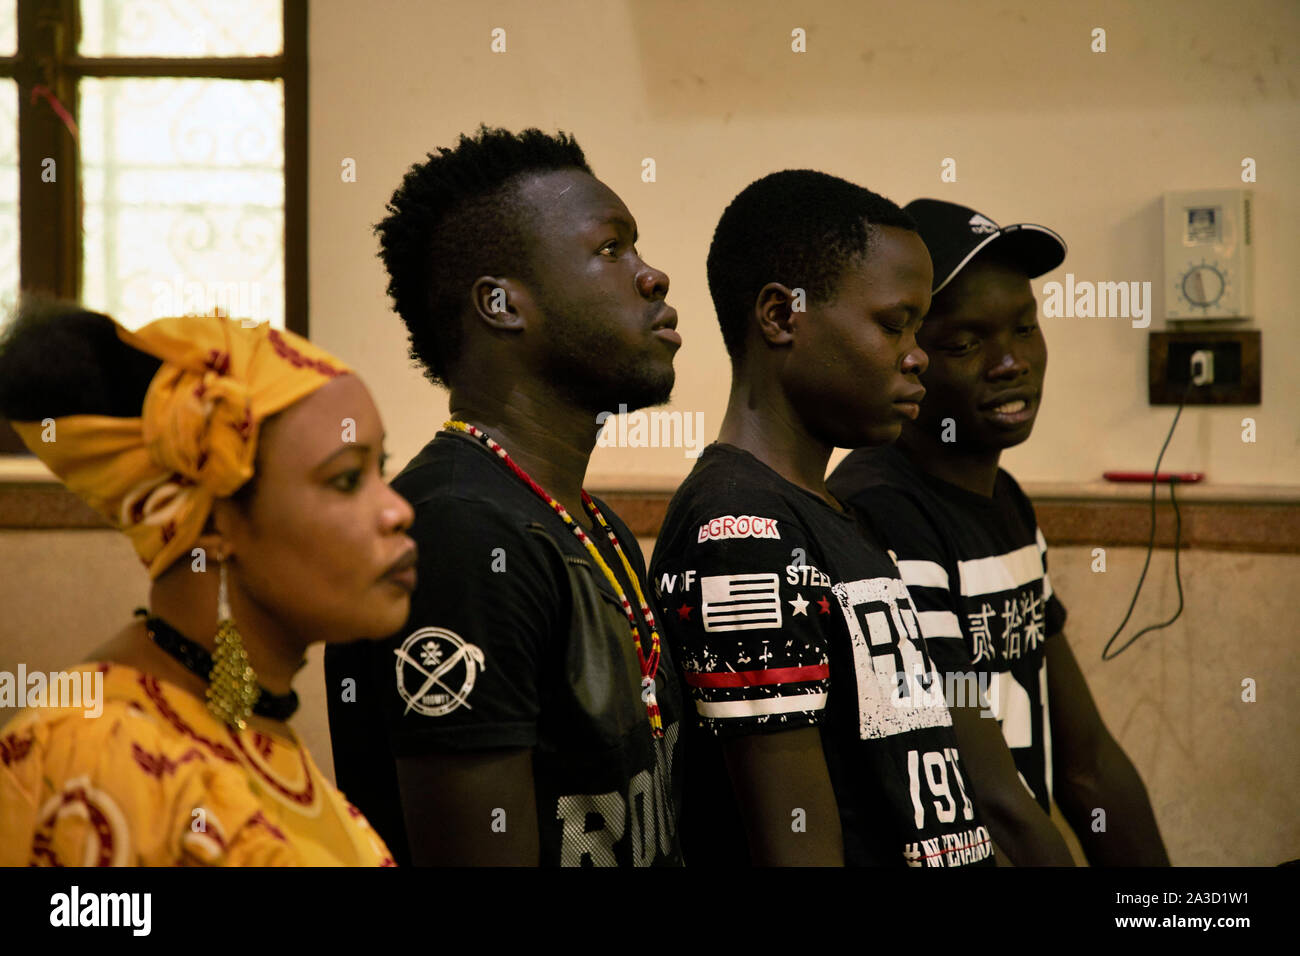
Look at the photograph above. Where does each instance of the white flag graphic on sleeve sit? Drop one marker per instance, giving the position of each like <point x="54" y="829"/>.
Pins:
<point x="740" y="602"/>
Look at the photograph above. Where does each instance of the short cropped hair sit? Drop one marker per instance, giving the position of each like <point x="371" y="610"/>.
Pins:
<point x="798" y="227"/>
<point x="454" y="218"/>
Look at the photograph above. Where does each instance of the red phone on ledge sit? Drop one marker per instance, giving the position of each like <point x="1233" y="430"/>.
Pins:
<point x="1183" y="477"/>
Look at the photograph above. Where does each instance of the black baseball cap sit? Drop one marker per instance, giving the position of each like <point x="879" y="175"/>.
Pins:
<point x="956" y="234"/>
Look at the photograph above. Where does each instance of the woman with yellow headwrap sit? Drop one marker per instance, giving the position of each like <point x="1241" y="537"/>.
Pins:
<point x="245" y="466"/>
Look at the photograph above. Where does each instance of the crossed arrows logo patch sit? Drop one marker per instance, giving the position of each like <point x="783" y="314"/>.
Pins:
<point x="436" y="671"/>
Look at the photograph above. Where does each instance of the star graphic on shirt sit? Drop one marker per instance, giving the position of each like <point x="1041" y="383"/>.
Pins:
<point x="684" y="612"/>
<point x="799" y="604"/>
<point x="825" y="606"/>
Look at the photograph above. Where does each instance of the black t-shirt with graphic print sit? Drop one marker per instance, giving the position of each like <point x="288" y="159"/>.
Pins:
<point x="976" y="568"/>
<point x="491" y="658"/>
<point x="781" y="615"/>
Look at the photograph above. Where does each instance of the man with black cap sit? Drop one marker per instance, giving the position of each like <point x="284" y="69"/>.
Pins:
<point x="975" y="563"/>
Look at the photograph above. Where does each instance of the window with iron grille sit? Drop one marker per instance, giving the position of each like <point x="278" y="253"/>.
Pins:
<point x="153" y="157"/>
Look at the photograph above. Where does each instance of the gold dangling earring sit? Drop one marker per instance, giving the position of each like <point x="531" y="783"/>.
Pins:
<point x="232" y="685"/>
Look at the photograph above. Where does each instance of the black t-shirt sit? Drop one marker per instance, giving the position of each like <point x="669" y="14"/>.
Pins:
<point x="782" y="615"/>
<point x="976" y="568"/>
<point x="515" y="640"/>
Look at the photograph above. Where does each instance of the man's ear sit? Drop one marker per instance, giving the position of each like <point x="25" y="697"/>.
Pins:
<point x="501" y="304"/>
<point x="774" y="311"/>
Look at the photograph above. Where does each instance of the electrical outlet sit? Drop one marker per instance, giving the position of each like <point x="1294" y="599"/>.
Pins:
<point x="1203" y="367"/>
<point x="1228" y="368"/>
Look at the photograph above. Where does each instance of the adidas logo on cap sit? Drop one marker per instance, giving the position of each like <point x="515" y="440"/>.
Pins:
<point x="982" y="226"/>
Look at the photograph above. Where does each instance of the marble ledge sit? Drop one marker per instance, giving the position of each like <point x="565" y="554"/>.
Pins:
<point x="25" y="469"/>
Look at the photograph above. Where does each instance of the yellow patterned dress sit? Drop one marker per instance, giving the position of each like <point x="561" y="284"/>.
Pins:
<point x="155" y="780"/>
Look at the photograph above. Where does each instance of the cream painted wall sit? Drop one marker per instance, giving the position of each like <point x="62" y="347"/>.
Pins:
<point x="1223" y="775"/>
<point x="1042" y="129"/>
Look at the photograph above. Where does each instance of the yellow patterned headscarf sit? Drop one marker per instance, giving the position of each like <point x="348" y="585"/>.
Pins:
<point x="155" y="477"/>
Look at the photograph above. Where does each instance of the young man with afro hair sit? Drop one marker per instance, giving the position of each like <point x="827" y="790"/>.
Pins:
<point x="525" y="714"/>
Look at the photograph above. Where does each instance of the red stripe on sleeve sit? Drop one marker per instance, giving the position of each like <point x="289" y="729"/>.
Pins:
<point x="776" y="675"/>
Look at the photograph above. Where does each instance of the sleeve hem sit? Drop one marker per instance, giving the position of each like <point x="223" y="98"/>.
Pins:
<point x="464" y="739"/>
<point x="726" y="731"/>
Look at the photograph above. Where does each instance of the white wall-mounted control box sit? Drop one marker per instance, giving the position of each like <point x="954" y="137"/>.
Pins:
<point x="1209" y="255"/>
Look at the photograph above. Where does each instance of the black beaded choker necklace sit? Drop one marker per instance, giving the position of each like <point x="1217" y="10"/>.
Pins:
<point x="198" y="661"/>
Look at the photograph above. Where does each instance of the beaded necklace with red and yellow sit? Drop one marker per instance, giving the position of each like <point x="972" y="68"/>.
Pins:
<point x="650" y="665"/>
